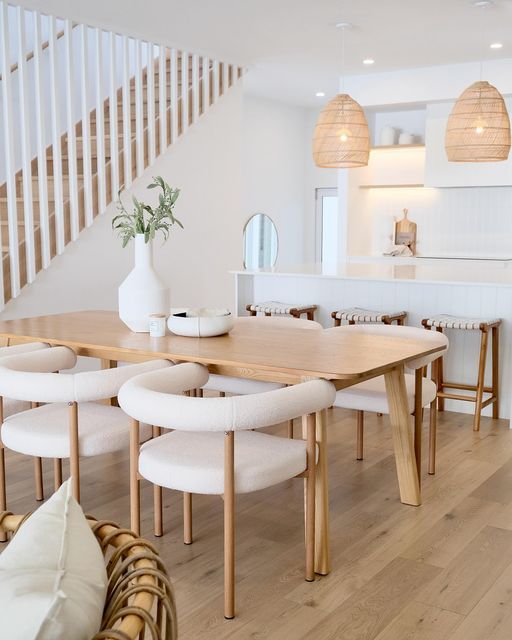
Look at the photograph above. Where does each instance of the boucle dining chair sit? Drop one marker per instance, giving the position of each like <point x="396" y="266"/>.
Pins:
<point x="203" y="455"/>
<point x="71" y="422"/>
<point x="371" y="395"/>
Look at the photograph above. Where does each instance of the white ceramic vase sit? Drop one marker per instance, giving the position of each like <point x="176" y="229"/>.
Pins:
<point x="143" y="292"/>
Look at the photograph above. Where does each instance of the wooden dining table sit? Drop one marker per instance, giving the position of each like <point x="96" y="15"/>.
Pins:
<point x="286" y="355"/>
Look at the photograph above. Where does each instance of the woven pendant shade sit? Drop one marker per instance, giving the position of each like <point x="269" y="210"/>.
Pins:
<point x="478" y="128"/>
<point x="341" y="139"/>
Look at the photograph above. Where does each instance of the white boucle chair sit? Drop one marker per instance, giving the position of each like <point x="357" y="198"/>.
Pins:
<point x="421" y="392"/>
<point x="244" y="386"/>
<point x="202" y="454"/>
<point x="71" y="423"/>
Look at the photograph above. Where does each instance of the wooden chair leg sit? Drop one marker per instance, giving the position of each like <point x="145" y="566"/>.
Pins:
<point x="360" y="435"/>
<point x="222" y="394"/>
<point x="310" y="315"/>
<point x="157" y="496"/>
<point x="187" y="518"/>
<point x="418" y="418"/>
<point x="134" y="478"/>
<point x="481" y="381"/>
<point x="229" y="525"/>
<point x="310" y="498"/>
<point x="3" y="492"/>
<point x="74" y="464"/>
<point x="432" y="439"/>
<point x="440" y="378"/>
<point x="38" y="475"/>
<point x="290" y="429"/>
<point x="495" y="372"/>
<point x="57" y="473"/>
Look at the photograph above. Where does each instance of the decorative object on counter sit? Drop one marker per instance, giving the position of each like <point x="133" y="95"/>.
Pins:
<point x="405" y="232"/>
<point x="405" y="138"/>
<point x="157" y="322"/>
<point x="201" y="323"/>
<point x="274" y="308"/>
<point x="261" y="244"/>
<point x="484" y="325"/>
<point x="357" y="315"/>
<point x="143" y="292"/>
<point x="478" y="128"/>
<point x="387" y="136"/>
<point x="398" y="250"/>
<point x="341" y="139"/>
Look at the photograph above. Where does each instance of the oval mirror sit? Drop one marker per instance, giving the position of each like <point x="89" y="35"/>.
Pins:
<point x="260" y="242"/>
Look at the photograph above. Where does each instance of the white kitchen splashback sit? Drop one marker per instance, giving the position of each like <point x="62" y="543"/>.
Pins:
<point x="455" y="221"/>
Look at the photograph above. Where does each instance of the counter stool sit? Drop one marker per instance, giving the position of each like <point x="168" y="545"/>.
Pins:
<point x="274" y="308"/>
<point x="356" y="315"/>
<point x="441" y="322"/>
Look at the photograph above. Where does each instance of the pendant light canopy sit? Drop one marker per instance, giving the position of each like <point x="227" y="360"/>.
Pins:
<point x="341" y="139"/>
<point x="478" y="128"/>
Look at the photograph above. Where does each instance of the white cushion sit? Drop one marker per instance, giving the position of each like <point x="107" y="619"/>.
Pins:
<point x="44" y="431"/>
<point x="371" y="395"/>
<point x="239" y="386"/>
<point x="53" y="581"/>
<point x="194" y="462"/>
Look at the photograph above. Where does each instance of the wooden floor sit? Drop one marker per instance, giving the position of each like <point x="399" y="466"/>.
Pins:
<point x="435" y="572"/>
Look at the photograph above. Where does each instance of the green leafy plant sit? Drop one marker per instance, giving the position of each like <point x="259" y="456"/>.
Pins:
<point x="144" y="219"/>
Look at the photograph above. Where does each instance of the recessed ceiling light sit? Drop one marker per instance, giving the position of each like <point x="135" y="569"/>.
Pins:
<point x="496" y="45"/>
<point x="482" y="3"/>
<point x="320" y="94"/>
<point x="368" y="61"/>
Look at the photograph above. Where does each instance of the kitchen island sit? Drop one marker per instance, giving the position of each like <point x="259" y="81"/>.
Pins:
<point x="475" y="288"/>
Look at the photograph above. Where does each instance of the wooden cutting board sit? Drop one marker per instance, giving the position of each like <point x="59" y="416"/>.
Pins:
<point x="405" y="232"/>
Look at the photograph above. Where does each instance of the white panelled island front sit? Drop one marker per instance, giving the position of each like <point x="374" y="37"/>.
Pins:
<point x="471" y="288"/>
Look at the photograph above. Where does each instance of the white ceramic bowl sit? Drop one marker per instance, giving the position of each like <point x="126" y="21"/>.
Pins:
<point x="200" y="326"/>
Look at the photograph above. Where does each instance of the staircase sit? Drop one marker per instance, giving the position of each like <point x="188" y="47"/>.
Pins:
<point x="113" y="104"/>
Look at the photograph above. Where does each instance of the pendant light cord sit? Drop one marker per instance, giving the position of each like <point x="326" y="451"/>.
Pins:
<point x="342" y="82"/>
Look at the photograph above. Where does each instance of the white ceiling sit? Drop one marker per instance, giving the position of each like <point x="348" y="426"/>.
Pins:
<point x="293" y="47"/>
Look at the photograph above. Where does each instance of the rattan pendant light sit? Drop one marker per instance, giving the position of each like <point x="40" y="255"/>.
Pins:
<point x="478" y="128"/>
<point x="341" y="139"/>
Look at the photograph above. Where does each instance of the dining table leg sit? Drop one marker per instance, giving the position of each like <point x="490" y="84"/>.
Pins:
<point x="322" y="555"/>
<point x="401" y="427"/>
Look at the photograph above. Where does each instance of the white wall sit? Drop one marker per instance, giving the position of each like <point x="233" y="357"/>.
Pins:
<point x="206" y="165"/>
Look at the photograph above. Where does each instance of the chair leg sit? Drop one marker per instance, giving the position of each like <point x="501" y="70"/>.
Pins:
<point x="480" y="382"/>
<point x="495" y="372"/>
<point x="74" y="463"/>
<point x="157" y="496"/>
<point x="432" y="439"/>
<point x="418" y="418"/>
<point x="38" y="475"/>
<point x="310" y="498"/>
<point x="440" y="378"/>
<point x="3" y="493"/>
<point x="290" y="429"/>
<point x="360" y="435"/>
<point x="57" y="473"/>
<point x="229" y="525"/>
<point x="134" y="478"/>
<point x="187" y="518"/>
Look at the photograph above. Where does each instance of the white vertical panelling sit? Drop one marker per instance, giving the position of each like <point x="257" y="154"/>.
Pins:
<point x="215" y="78"/>
<point x="206" y="84"/>
<point x="127" y="115"/>
<point x="114" y="115"/>
<point x="41" y="143"/>
<point x="174" y="95"/>
<point x="184" y="91"/>
<point x="162" y="97"/>
<point x="70" y="93"/>
<point x="55" y="77"/>
<point x="195" y="88"/>
<point x="139" y="107"/>
<point x="26" y="156"/>
<point x="86" y="125"/>
<point x="150" y="96"/>
<point x="100" y="120"/>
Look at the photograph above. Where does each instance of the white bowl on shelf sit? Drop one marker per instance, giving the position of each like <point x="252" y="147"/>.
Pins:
<point x="201" y="323"/>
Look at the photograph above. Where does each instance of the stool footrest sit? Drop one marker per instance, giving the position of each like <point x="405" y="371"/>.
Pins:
<point x="464" y="387"/>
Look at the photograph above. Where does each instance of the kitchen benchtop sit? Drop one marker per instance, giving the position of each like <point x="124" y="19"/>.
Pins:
<point x="429" y="271"/>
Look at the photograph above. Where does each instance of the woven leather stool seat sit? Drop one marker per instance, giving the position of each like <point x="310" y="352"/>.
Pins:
<point x="274" y="308"/>
<point x="445" y="321"/>
<point x="358" y="314"/>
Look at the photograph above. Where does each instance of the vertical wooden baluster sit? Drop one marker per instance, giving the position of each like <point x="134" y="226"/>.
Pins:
<point x="139" y="139"/>
<point x="127" y="123"/>
<point x="55" y="89"/>
<point x="206" y="85"/>
<point x="224" y="78"/>
<point x="195" y="88"/>
<point x="150" y="94"/>
<point x="40" y="120"/>
<point x="184" y="92"/>
<point x="100" y="121"/>
<point x="114" y="116"/>
<point x="86" y="125"/>
<point x="216" y="78"/>
<point x="174" y="95"/>
<point x="162" y="97"/>
<point x="26" y="153"/>
<point x="8" y="145"/>
<point x="70" y="125"/>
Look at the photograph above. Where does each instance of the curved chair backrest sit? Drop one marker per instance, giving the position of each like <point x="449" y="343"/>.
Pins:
<point x="430" y="338"/>
<point x="32" y="377"/>
<point x="26" y="347"/>
<point x="156" y="398"/>
<point x="277" y="321"/>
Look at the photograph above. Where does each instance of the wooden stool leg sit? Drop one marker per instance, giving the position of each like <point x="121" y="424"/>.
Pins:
<point x="418" y="418"/>
<point x="337" y="322"/>
<point x="480" y="382"/>
<point x="229" y="525"/>
<point x="495" y="372"/>
<point x="187" y="518"/>
<point x="57" y="473"/>
<point x="432" y="438"/>
<point x="310" y="498"/>
<point x="360" y="435"/>
<point x="38" y="475"/>
<point x="440" y="378"/>
<point x="290" y="429"/>
<point x="310" y="315"/>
